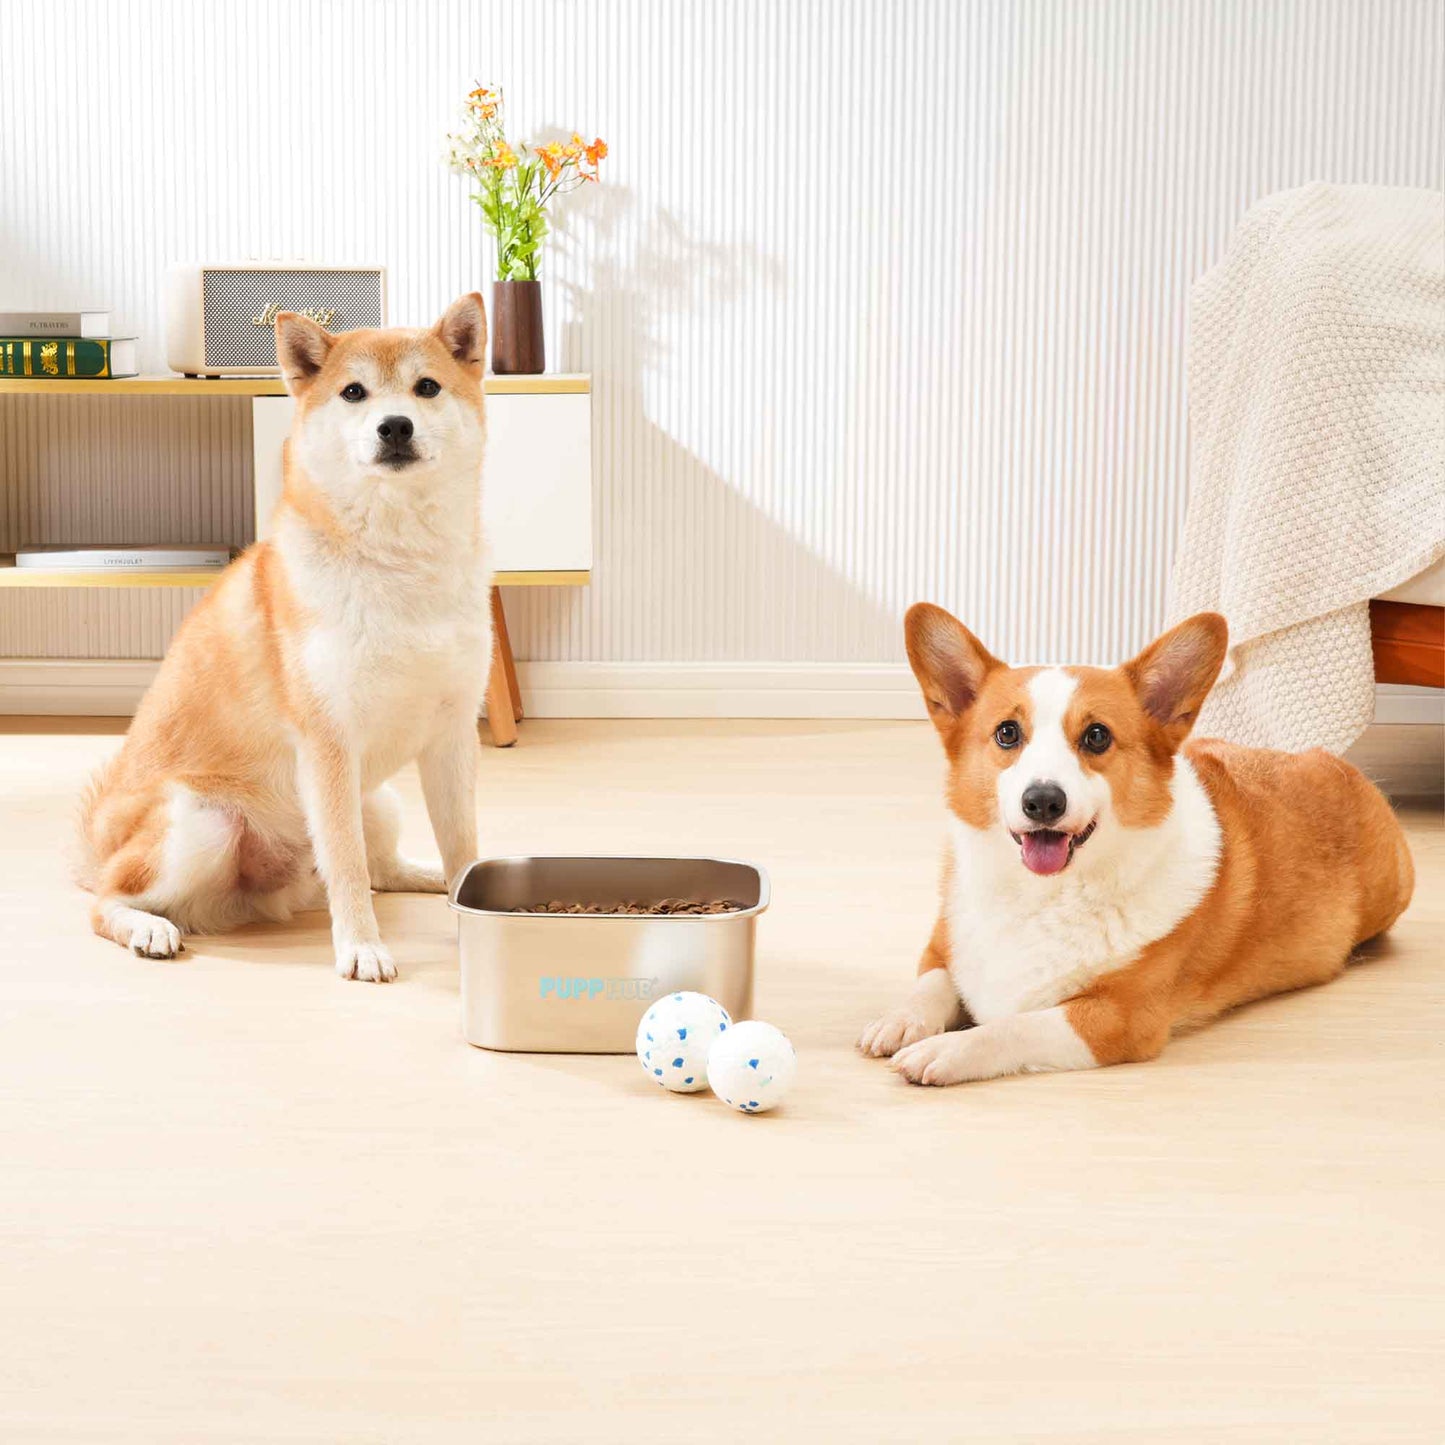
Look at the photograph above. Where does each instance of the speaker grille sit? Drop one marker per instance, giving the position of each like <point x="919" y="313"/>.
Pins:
<point x="232" y="300"/>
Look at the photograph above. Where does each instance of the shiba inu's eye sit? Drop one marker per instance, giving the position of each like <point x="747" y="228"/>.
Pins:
<point x="426" y="387"/>
<point x="1008" y="735"/>
<point x="1096" y="738"/>
<point x="353" y="391"/>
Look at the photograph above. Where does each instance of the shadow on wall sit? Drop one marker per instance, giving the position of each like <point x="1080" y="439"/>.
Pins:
<point x="685" y="567"/>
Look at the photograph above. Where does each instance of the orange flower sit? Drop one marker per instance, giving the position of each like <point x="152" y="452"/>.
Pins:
<point x="503" y="158"/>
<point x="551" y="157"/>
<point x="484" y="101"/>
<point x="596" y="151"/>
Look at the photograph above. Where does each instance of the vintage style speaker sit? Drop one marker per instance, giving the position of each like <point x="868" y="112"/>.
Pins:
<point x="219" y="318"/>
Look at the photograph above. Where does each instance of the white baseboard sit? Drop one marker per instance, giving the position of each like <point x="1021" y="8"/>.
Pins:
<point x="107" y="688"/>
<point x="72" y="687"/>
<point x="1399" y="705"/>
<point x="719" y="689"/>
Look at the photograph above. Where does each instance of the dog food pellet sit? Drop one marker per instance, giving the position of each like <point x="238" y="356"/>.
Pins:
<point x="668" y="907"/>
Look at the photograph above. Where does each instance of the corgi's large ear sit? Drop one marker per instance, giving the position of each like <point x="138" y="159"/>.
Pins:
<point x="1173" y="675"/>
<point x="949" y="662"/>
<point x="463" y="329"/>
<point x="302" y="348"/>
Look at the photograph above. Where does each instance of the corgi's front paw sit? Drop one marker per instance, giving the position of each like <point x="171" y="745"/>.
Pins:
<point x="884" y="1037"/>
<point x="935" y="1061"/>
<point x="369" y="962"/>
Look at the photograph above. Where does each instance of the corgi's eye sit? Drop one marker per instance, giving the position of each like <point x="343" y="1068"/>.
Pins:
<point x="1008" y="735"/>
<point x="426" y="387"/>
<point x="353" y="391"/>
<point x="1096" y="738"/>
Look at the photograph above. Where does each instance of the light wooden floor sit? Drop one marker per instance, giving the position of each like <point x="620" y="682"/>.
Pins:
<point x="243" y="1201"/>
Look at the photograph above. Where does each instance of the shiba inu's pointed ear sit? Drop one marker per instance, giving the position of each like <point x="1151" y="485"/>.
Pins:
<point x="463" y="329"/>
<point x="302" y="348"/>
<point x="1173" y="675"/>
<point x="949" y="662"/>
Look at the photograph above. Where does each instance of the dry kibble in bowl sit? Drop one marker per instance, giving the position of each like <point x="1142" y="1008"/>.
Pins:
<point x="668" y="907"/>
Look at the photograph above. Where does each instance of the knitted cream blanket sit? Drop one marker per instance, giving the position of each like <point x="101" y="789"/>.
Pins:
<point x="1317" y="450"/>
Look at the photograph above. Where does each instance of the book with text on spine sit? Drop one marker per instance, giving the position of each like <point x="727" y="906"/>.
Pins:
<point x="61" y="357"/>
<point x="164" y="557"/>
<point x="54" y="323"/>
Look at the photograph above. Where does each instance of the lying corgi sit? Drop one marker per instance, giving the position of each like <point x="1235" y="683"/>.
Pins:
<point x="1106" y="884"/>
<point x="353" y="640"/>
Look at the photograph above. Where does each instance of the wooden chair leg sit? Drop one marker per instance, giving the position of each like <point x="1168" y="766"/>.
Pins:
<point x="509" y="664"/>
<point x="503" y="706"/>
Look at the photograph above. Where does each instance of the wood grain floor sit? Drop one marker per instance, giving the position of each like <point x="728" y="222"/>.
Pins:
<point x="244" y="1201"/>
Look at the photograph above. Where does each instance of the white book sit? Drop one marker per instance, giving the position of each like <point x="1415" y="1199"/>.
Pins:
<point x="166" y="557"/>
<point x="55" y="323"/>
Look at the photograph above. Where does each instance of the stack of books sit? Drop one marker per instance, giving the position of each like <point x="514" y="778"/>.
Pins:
<point x="165" y="557"/>
<point x="61" y="344"/>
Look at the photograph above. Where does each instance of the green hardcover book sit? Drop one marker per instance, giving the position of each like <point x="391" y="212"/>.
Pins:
<point x="58" y="357"/>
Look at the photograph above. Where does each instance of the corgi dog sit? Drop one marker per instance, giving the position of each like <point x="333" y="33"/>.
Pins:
<point x="1107" y="883"/>
<point x="355" y="639"/>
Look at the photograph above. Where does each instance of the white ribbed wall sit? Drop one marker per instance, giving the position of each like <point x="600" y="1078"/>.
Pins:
<point x="882" y="301"/>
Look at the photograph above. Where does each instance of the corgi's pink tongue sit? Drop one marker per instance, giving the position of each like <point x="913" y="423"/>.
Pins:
<point x="1045" y="852"/>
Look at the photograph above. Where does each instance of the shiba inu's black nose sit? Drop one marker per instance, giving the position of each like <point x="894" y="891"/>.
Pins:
<point x="1044" y="803"/>
<point x="395" y="431"/>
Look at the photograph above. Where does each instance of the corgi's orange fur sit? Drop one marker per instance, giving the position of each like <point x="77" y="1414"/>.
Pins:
<point x="1108" y="882"/>
<point x="353" y="640"/>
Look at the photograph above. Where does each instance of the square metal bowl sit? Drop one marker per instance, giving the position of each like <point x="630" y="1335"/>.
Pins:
<point x="580" y="983"/>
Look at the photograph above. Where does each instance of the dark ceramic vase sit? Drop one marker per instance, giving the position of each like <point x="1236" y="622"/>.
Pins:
<point x="517" y="346"/>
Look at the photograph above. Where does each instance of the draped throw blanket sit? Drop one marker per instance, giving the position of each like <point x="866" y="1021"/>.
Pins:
<point x="1317" y="450"/>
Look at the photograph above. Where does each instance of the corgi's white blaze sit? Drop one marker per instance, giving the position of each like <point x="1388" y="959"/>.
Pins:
<point x="1049" y="755"/>
<point x="1019" y="941"/>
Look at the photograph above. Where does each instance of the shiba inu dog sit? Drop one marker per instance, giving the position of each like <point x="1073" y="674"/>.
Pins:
<point x="353" y="640"/>
<point x="1107" y="883"/>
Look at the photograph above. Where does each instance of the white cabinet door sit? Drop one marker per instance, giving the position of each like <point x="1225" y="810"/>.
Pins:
<point x="536" y="485"/>
<point x="270" y="422"/>
<point x="537" y="482"/>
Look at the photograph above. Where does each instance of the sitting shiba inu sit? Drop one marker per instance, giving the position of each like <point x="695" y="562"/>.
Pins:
<point x="353" y="640"/>
<point x="1106" y="884"/>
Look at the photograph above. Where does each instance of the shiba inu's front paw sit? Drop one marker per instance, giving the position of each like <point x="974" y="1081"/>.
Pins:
<point x="155" y="938"/>
<point x="369" y="962"/>
<point x="407" y="875"/>
<point x="884" y="1037"/>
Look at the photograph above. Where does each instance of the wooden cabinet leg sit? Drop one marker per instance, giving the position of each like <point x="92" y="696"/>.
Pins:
<point x="503" y="710"/>
<point x="509" y="664"/>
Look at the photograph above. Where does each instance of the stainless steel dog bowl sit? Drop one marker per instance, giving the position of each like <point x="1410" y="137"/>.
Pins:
<point x="579" y="983"/>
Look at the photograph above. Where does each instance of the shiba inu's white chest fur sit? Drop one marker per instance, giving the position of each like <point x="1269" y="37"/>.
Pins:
<point x="1020" y="942"/>
<point x="401" y="641"/>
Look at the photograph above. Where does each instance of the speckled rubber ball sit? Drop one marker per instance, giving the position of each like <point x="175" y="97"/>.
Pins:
<point x="751" y="1066"/>
<point x="674" y="1037"/>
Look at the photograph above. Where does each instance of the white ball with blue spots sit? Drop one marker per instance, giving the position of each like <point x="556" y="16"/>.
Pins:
<point x="674" y="1037"/>
<point x="751" y="1067"/>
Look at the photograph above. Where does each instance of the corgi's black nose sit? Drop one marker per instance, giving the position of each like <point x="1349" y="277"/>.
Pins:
<point x="1045" y="803"/>
<point x="395" y="430"/>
